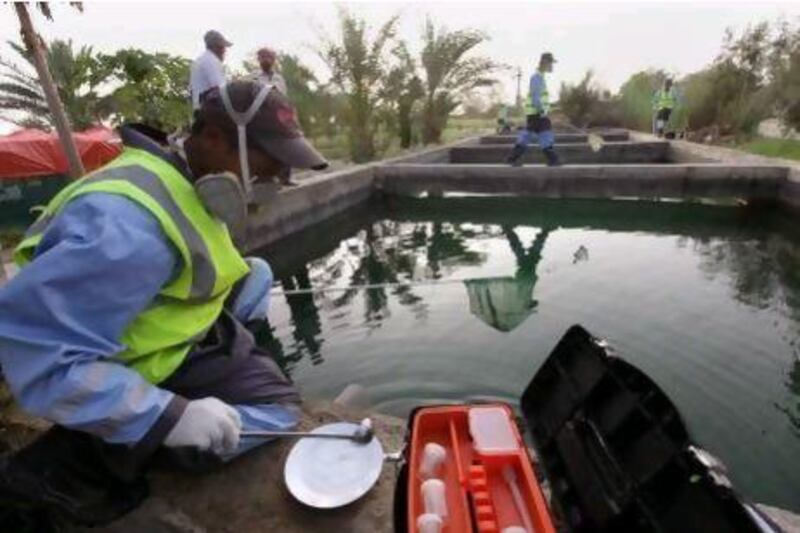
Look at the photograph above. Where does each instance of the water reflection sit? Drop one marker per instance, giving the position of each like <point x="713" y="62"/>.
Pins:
<point x="506" y="302"/>
<point x="764" y="273"/>
<point x="792" y="410"/>
<point x="380" y="253"/>
<point x="431" y="239"/>
<point x="307" y="328"/>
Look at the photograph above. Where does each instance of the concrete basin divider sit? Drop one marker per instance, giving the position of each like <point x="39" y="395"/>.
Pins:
<point x="684" y="151"/>
<point x="609" y="154"/>
<point x="319" y="197"/>
<point x="565" y="138"/>
<point x="588" y="181"/>
<point x="700" y="172"/>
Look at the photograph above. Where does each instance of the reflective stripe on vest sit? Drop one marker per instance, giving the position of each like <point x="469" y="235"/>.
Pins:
<point x="203" y="275"/>
<point x="159" y="338"/>
<point x="544" y="101"/>
<point x="666" y="99"/>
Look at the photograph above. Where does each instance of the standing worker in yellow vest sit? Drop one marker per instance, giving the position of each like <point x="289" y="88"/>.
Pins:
<point x="125" y="325"/>
<point x="503" y="125"/>
<point x="665" y="100"/>
<point x="537" y="110"/>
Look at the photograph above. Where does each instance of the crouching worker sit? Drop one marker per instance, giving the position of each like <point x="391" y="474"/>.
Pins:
<point x="125" y="325"/>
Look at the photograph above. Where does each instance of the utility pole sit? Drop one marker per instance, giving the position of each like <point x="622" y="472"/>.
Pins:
<point x="519" y="88"/>
<point x="34" y="45"/>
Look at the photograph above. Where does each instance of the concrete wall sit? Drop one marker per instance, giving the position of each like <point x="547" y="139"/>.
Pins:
<point x="566" y="138"/>
<point x="610" y="153"/>
<point x="314" y="200"/>
<point x="589" y="181"/>
<point x="789" y="195"/>
<point x="732" y="175"/>
<point x="286" y="211"/>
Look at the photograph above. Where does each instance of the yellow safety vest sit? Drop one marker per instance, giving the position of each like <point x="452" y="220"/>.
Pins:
<point x="160" y="337"/>
<point x="544" y="107"/>
<point x="665" y="99"/>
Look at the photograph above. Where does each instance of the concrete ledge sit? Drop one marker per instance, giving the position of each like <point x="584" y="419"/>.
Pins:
<point x="283" y="212"/>
<point x="790" y="193"/>
<point x="567" y="138"/>
<point x="314" y="200"/>
<point x="590" y="181"/>
<point x="610" y="153"/>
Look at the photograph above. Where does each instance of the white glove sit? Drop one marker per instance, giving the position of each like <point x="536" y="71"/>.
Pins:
<point x="208" y="424"/>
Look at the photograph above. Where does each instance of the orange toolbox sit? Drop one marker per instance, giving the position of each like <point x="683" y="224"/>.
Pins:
<point x="469" y="471"/>
<point x="613" y="447"/>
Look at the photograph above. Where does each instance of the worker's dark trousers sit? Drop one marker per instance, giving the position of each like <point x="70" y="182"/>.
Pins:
<point x="662" y="119"/>
<point x="543" y="128"/>
<point x="72" y="476"/>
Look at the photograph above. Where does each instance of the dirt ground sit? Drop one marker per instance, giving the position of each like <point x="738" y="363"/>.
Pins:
<point x="249" y="495"/>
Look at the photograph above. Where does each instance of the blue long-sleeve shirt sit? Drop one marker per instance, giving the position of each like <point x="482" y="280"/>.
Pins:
<point x="536" y="90"/>
<point x="101" y="261"/>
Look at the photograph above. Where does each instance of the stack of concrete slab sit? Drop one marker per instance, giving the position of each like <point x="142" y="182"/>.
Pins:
<point x="562" y="138"/>
<point x="627" y="164"/>
<point x="575" y="153"/>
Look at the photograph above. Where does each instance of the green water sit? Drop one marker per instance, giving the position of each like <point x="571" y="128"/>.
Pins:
<point x="704" y="299"/>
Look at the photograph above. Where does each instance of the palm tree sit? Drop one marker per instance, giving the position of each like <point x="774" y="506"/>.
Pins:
<point x="403" y="88"/>
<point x="33" y="44"/>
<point x="358" y="66"/>
<point x="450" y="74"/>
<point x="22" y="98"/>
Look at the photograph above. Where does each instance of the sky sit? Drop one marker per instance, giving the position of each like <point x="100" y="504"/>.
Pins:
<point x="614" y="39"/>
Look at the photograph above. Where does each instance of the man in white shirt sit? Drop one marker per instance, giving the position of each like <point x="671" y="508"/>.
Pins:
<point x="207" y="71"/>
<point x="267" y="59"/>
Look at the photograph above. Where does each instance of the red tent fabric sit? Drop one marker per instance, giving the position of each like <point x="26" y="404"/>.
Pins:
<point x="35" y="153"/>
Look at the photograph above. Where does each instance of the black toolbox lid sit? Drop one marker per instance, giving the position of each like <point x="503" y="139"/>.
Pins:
<point x="616" y="452"/>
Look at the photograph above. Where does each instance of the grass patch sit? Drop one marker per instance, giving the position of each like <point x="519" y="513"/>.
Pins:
<point x="336" y="147"/>
<point x="785" y="148"/>
<point x="460" y="127"/>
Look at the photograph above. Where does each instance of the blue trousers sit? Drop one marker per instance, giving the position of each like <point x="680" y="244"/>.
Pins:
<point x="539" y="127"/>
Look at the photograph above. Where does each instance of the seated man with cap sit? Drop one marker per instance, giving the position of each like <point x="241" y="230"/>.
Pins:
<point x="127" y="330"/>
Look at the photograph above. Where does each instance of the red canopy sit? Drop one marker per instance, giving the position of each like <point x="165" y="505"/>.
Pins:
<point x="35" y="153"/>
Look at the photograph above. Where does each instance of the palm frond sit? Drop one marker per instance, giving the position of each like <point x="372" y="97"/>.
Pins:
<point x="19" y="91"/>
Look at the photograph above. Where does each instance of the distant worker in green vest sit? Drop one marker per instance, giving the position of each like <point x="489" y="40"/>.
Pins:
<point x="665" y="100"/>
<point x="125" y="326"/>
<point x="502" y="119"/>
<point x="537" y="110"/>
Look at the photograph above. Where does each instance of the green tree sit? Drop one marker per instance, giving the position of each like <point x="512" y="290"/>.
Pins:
<point x="784" y="68"/>
<point x="22" y="100"/>
<point x="578" y="101"/>
<point x="359" y="66"/>
<point x="635" y="101"/>
<point x="732" y="94"/>
<point x="449" y="74"/>
<point x="403" y="89"/>
<point x="303" y="88"/>
<point x="150" y="88"/>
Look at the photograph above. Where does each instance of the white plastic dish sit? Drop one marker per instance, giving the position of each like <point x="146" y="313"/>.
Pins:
<point x="330" y="473"/>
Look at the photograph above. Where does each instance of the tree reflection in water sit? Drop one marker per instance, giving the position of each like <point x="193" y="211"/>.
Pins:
<point x="762" y="260"/>
<point x="765" y="273"/>
<point x="383" y="252"/>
